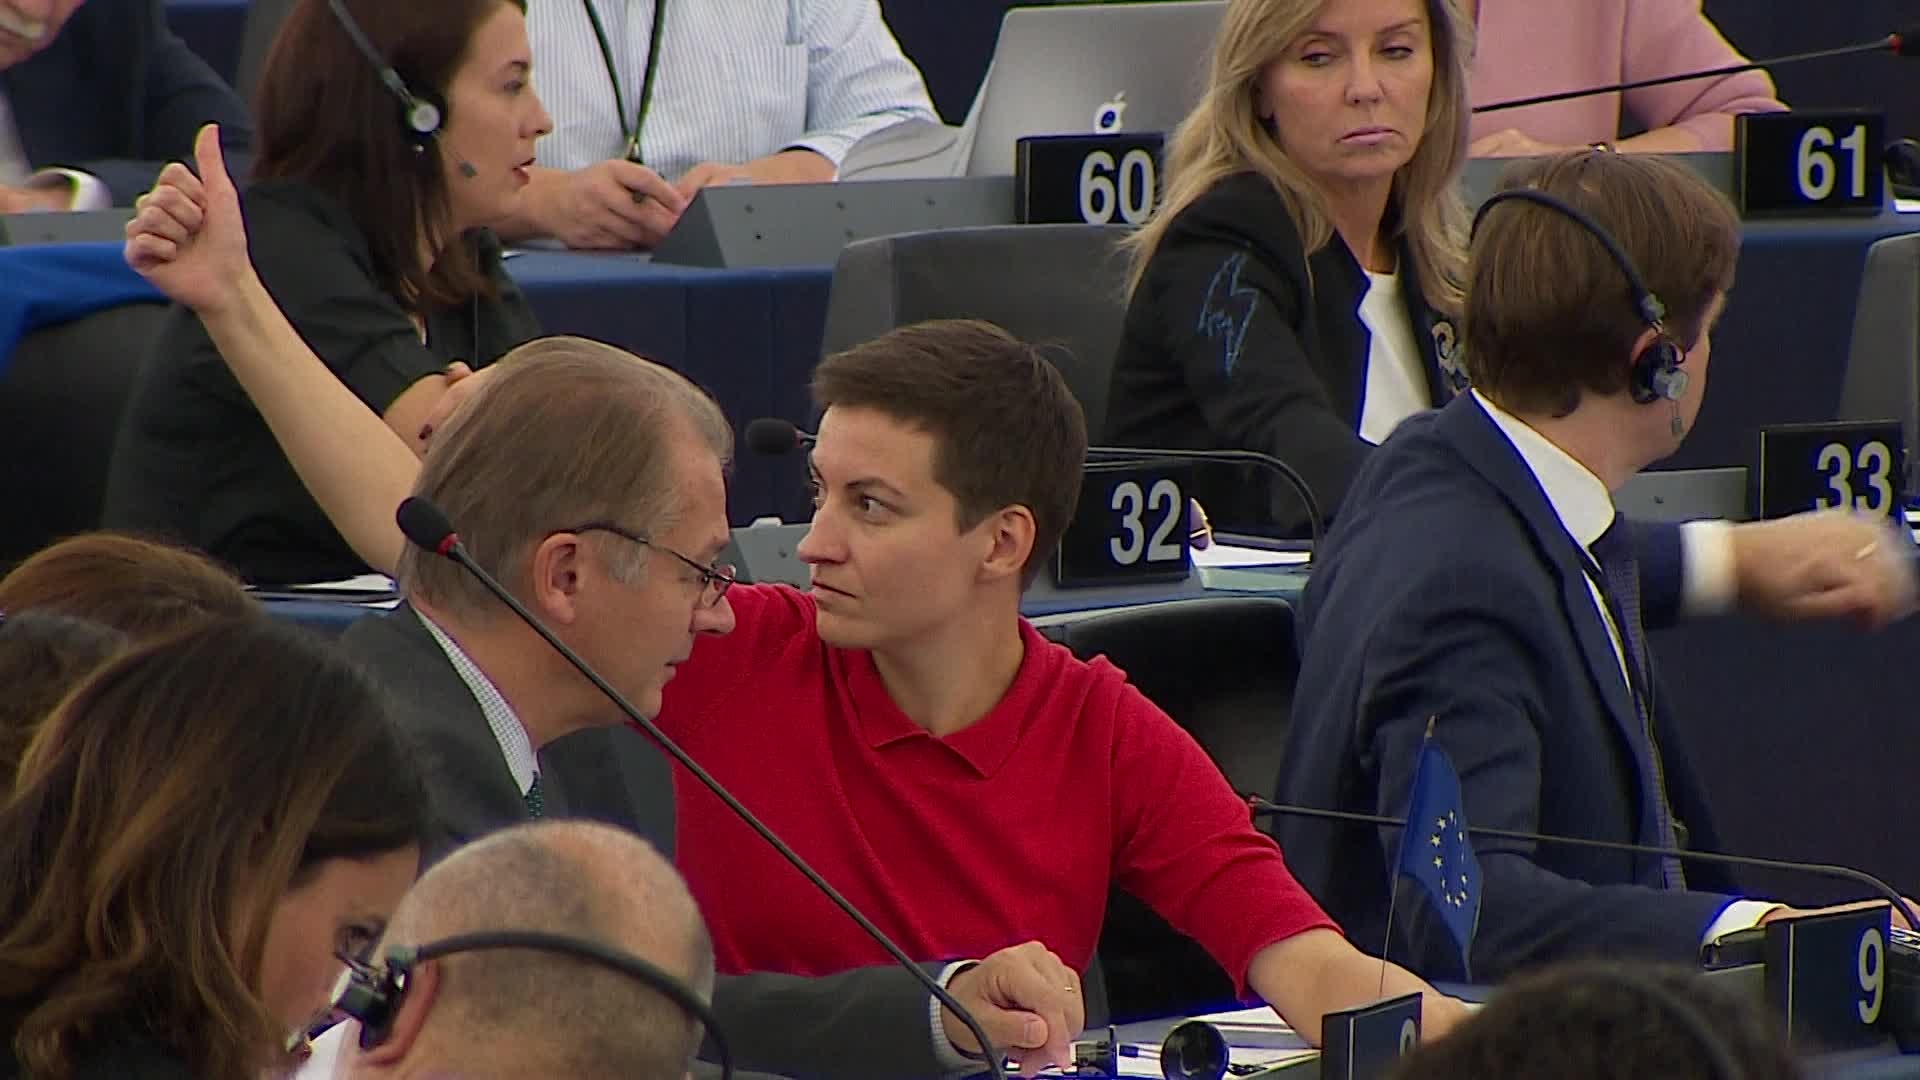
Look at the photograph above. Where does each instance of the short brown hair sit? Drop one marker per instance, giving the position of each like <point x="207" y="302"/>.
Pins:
<point x="160" y="815"/>
<point x="1591" y="1019"/>
<point x="1550" y="314"/>
<point x="569" y="431"/>
<point x="142" y="588"/>
<point x="322" y="115"/>
<point x="1006" y="429"/>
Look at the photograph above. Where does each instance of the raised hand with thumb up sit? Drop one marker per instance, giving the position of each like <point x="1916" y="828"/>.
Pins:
<point x="187" y="236"/>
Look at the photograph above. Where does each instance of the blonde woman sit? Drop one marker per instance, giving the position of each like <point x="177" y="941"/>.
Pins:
<point x="1294" y="293"/>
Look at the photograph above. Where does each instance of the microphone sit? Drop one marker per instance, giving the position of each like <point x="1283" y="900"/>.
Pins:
<point x="427" y="528"/>
<point x="1905" y="42"/>
<point x="1315" y="523"/>
<point x="1260" y="806"/>
<point x="773" y="436"/>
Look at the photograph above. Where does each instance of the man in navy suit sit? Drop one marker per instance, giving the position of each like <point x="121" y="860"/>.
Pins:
<point x="94" y="98"/>
<point x="1480" y="581"/>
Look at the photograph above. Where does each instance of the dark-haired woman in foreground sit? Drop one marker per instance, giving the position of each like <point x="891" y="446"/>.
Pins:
<point x="196" y="835"/>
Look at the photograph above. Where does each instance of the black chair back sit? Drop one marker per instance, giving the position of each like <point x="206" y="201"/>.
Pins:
<point x="1224" y="669"/>
<point x="62" y="396"/>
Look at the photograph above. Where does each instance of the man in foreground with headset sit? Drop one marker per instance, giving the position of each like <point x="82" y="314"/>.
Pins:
<point x="1481" y="586"/>
<point x="523" y="1012"/>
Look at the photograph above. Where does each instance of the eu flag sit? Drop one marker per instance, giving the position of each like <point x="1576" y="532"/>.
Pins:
<point x="1434" y="850"/>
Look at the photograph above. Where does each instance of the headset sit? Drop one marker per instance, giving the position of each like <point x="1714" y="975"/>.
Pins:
<point x="424" y="113"/>
<point x="1656" y="374"/>
<point x="372" y="993"/>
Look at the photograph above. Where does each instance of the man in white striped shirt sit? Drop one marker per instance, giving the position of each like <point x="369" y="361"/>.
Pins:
<point x="654" y="99"/>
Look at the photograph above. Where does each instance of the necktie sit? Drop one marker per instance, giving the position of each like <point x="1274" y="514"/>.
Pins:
<point x="536" y="804"/>
<point x="1620" y="586"/>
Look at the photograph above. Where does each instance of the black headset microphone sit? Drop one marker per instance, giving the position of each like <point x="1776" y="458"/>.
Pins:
<point x="1264" y="807"/>
<point x="372" y="993"/>
<point x="427" y="528"/>
<point x="1655" y="373"/>
<point x="424" y="114"/>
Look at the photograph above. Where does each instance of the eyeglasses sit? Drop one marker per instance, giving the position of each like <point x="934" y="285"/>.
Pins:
<point x="715" y="580"/>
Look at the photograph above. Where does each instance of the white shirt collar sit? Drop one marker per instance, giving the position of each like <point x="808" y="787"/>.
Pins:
<point x="507" y="729"/>
<point x="1578" y="497"/>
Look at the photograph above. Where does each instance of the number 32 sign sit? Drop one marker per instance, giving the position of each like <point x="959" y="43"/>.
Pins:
<point x="1129" y="526"/>
<point x="1847" y="465"/>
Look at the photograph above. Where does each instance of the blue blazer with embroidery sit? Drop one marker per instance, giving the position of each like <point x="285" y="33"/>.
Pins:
<point x="1236" y="337"/>
<point x="1451" y="590"/>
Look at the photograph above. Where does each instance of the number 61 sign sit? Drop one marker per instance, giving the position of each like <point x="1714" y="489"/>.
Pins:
<point x="1807" y="164"/>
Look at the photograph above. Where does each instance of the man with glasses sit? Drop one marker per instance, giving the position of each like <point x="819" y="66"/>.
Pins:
<point x="604" y="521"/>
<point x="590" y="483"/>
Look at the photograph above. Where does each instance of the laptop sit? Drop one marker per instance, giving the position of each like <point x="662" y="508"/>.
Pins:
<point x="1078" y="69"/>
<point x="82" y="227"/>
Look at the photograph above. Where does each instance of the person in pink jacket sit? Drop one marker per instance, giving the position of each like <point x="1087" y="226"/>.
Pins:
<point x="1532" y="47"/>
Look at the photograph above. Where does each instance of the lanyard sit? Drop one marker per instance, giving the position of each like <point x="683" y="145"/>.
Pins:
<point x="632" y="134"/>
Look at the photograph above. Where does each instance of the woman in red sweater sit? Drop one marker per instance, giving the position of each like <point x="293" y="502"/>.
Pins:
<point x="965" y="782"/>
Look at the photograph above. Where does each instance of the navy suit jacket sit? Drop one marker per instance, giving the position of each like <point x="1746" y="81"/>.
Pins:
<point x="1451" y="590"/>
<point x="117" y="95"/>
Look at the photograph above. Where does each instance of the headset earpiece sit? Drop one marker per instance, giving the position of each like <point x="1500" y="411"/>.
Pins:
<point x="421" y="114"/>
<point x="372" y="993"/>
<point x="424" y="117"/>
<point x="1654" y="374"/>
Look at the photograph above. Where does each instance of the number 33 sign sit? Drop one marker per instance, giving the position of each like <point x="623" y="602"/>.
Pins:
<point x="1851" y="466"/>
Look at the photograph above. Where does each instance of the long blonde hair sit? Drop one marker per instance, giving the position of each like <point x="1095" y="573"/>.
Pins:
<point x="1225" y="135"/>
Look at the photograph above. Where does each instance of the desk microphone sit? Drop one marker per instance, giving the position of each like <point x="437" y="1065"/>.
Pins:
<point x="427" y="528"/>
<point x="1286" y="472"/>
<point x="1906" y="42"/>
<point x="773" y="436"/>
<point x="1260" y="806"/>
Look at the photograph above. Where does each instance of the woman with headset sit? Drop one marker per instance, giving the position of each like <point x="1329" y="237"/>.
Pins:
<point x="198" y="836"/>
<point x="390" y="137"/>
<point x="1293" y="293"/>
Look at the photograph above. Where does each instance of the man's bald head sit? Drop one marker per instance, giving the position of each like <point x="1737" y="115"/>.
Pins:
<point x="523" y="1012"/>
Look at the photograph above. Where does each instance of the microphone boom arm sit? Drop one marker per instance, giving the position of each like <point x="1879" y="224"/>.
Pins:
<point x="1258" y="805"/>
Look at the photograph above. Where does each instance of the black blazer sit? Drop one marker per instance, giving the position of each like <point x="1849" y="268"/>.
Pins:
<point x="1237" y="338"/>
<point x="117" y="95"/>
<point x="1451" y="590"/>
<point x="869" y="1022"/>
<point x="609" y="775"/>
<point x="196" y="461"/>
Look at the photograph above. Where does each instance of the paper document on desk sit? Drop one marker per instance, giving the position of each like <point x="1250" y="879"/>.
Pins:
<point x="364" y="583"/>
<point x="1226" y="555"/>
<point x="1256" y="1036"/>
<point x="366" y="590"/>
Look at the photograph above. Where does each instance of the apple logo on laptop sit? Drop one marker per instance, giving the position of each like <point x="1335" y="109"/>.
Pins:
<point x="1111" y="115"/>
